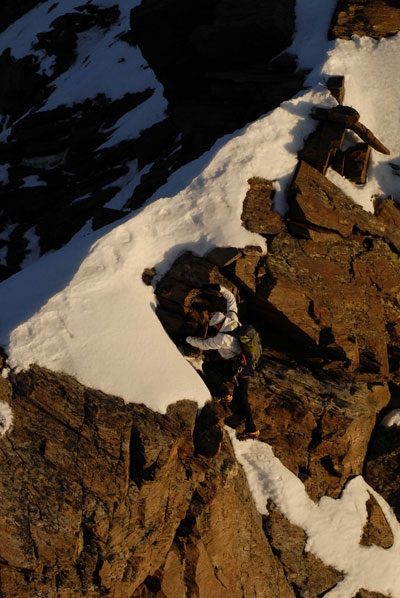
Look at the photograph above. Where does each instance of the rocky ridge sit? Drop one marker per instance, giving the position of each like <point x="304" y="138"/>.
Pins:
<point x="325" y="300"/>
<point x="102" y="498"/>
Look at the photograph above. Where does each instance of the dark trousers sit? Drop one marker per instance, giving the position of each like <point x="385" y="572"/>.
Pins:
<point x="241" y="402"/>
<point x="216" y="373"/>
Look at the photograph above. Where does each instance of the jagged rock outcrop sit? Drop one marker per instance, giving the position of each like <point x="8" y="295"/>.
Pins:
<point x="329" y="281"/>
<point x="108" y="497"/>
<point x="307" y="574"/>
<point x="357" y="268"/>
<point x="318" y="421"/>
<point x="103" y="498"/>
<point x="325" y="300"/>
<point x="372" y="18"/>
<point x="377" y="530"/>
<point x="323" y="147"/>
<point x="325" y="295"/>
<point x="257" y="208"/>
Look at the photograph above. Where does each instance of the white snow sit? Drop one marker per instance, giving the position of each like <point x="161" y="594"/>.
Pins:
<point x="34" y="181"/>
<point x="105" y="64"/>
<point x="6" y="417"/>
<point x="84" y="310"/>
<point x="391" y="419"/>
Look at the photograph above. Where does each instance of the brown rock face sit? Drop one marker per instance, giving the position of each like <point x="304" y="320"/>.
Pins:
<point x="326" y="296"/>
<point x="99" y="498"/>
<point x="357" y="268"/>
<point x="319" y="424"/>
<point x="307" y="574"/>
<point x="372" y="18"/>
<point x="258" y="208"/>
<point x="323" y="147"/>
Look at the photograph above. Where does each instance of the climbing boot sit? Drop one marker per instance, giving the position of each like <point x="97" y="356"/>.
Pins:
<point x="227" y="399"/>
<point x="248" y="435"/>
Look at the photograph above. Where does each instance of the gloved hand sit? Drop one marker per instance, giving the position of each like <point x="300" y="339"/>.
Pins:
<point x="211" y="287"/>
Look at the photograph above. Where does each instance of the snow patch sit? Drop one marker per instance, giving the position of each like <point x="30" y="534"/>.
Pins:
<point x="6" y="417"/>
<point x="392" y="419"/>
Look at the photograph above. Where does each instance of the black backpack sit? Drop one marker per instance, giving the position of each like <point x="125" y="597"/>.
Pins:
<point x="250" y="343"/>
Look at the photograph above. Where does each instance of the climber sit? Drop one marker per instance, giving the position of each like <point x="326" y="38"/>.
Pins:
<point x="228" y="363"/>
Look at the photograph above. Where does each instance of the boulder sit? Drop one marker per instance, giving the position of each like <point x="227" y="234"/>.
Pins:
<point x="353" y="163"/>
<point x="335" y="84"/>
<point x="376" y="531"/>
<point x="371" y="18"/>
<point x="346" y="261"/>
<point x="258" y="215"/>
<point x="322" y="144"/>
<point x="319" y="424"/>
<point x="323" y="147"/>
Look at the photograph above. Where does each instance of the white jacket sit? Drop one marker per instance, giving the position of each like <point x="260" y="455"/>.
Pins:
<point x="227" y="345"/>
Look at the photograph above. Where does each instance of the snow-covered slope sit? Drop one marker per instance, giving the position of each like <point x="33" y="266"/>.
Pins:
<point x="101" y="326"/>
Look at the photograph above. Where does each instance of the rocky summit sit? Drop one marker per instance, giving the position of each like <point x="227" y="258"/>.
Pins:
<point x="325" y="299"/>
<point x="104" y="498"/>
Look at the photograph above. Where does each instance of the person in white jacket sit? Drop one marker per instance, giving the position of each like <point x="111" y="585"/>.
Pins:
<point x="229" y="364"/>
